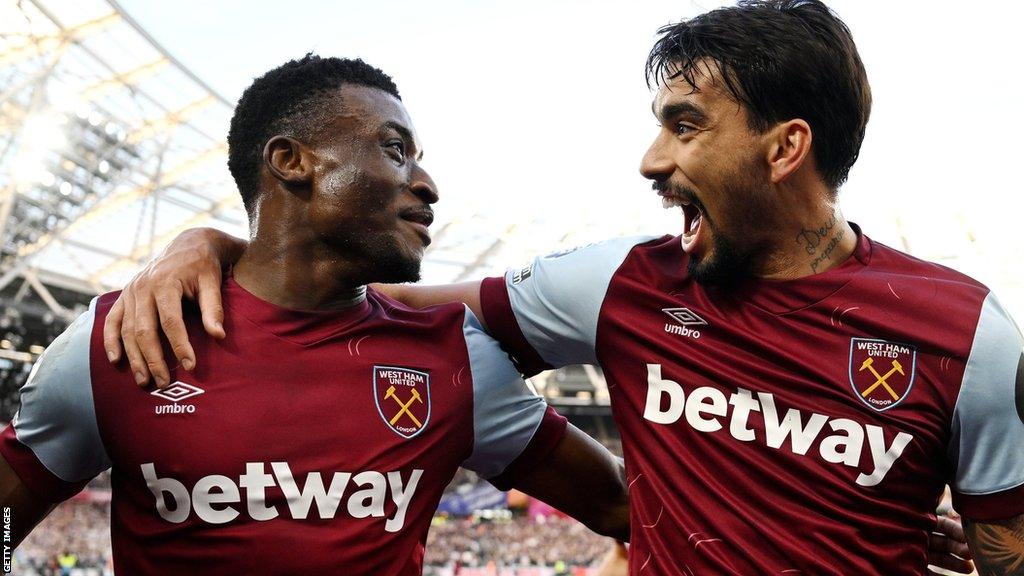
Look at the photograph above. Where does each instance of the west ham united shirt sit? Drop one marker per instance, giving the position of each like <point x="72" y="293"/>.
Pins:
<point x="304" y="443"/>
<point x="791" y="427"/>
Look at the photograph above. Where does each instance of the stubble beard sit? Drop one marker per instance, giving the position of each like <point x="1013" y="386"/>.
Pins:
<point x="735" y="249"/>
<point x="724" y="267"/>
<point x="388" y="263"/>
<point x="379" y="257"/>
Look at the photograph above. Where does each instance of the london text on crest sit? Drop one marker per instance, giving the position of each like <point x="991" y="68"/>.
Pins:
<point x="403" y="398"/>
<point x="881" y="372"/>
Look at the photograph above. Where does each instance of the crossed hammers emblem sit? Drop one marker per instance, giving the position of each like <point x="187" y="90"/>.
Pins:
<point x="880" y="379"/>
<point x="404" y="407"/>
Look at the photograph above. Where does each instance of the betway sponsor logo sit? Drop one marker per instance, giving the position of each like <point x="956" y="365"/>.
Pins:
<point x="708" y="410"/>
<point x="218" y="499"/>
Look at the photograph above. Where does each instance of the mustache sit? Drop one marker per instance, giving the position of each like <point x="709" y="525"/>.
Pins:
<point x="684" y="192"/>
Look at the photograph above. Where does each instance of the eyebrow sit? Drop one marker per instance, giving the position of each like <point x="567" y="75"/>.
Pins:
<point x="680" y="108"/>
<point x="406" y="135"/>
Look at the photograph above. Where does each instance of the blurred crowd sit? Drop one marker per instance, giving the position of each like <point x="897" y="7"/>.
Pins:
<point x="546" y="541"/>
<point x="74" y="538"/>
<point x="12" y="377"/>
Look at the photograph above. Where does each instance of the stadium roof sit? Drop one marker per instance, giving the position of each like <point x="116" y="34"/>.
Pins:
<point x="109" y="146"/>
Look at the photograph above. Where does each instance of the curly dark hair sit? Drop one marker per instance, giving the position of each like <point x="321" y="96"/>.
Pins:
<point x="289" y="100"/>
<point x="781" y="59"/>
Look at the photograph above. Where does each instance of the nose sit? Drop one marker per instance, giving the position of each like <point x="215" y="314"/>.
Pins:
<point x="656" y="164"/>
<point x="423" y="187"/>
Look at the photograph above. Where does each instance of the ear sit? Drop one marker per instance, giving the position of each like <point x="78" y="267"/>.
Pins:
<point x="788" y="149"/>
<point x="289" y="160"/>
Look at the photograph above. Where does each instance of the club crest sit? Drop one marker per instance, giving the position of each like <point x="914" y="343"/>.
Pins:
<point x="881" y="372"/>
<point x="403" y="398"/>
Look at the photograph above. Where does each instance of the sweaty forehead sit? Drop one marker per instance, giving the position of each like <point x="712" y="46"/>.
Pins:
<point x="370" y="109"/>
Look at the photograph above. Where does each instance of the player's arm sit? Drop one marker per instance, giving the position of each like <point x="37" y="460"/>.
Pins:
<point x="419" y="296"/>
<point x="986" y="444"/>
<point x="581" y="478"/>
<point x="520" y="442"/>
<point x="998" y="546"/>
<point x="26" y="509"/>
<point x="190" y="267"/>
<point x="546" y="314"/>
<point x="52" y="448"/>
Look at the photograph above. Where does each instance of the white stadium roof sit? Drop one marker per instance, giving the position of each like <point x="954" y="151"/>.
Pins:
<point x="109" y="146"/>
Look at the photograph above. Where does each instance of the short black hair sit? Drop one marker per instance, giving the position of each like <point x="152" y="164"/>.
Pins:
<point x="289" y="100"/>
<point x="781" y="59"/>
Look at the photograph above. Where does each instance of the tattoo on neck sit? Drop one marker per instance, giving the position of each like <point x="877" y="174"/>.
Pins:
<point x="826" y="253"/>
<point x="811" y="239"/>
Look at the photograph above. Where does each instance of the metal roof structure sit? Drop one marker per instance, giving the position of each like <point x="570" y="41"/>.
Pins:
<point x="108" y="148"/>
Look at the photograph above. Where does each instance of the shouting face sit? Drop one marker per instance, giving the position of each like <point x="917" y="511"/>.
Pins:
<point x="711" y="165"/>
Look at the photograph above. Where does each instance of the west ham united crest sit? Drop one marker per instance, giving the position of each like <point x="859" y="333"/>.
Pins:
<point x="403" y="398"/>
<point x="881" y="372"/>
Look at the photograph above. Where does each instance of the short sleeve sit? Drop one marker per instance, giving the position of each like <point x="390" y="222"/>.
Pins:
<point x="546" y="314"/>
<point x="53" y="443"/>
<point x="987" y="442"/>
<point x="512" y="425"/>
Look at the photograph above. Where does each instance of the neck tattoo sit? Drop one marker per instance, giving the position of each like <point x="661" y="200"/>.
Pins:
<point x="818" y="243"/>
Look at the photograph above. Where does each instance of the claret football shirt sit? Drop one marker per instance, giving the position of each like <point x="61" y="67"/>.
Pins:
<point x="304" y="443"/>
<point x="791" y="427"/>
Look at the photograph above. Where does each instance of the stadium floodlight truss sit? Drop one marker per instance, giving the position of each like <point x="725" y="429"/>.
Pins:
<point x="108" y="147"/>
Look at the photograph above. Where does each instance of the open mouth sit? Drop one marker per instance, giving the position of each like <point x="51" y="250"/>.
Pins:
<point x="693" y="215"/>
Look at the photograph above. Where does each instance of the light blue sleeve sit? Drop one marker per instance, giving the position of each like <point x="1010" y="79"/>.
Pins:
<point x="506" y="412"/>
<point x="57" y="418"/>
<point x="987" y="444"/>
<point x="557" y="299"/>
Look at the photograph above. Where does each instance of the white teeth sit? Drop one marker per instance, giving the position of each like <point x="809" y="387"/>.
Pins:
<point x="673" y="202"/>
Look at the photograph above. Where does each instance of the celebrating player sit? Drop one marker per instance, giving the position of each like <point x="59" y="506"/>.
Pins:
<point x="320" y="435"/>
<point x="792" y="395"/>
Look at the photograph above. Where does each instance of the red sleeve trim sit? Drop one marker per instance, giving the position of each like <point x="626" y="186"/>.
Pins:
<point x="997" y="506"/>
<point x="548" y="435"/>
<point x="37" y="478"/>
<point x="502" y="324"/>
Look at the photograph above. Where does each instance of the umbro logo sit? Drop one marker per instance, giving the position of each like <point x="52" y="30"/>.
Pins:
<point x="685" y="316"/>
<point x="177" y="392"/>
<point x="686" y="322"/>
